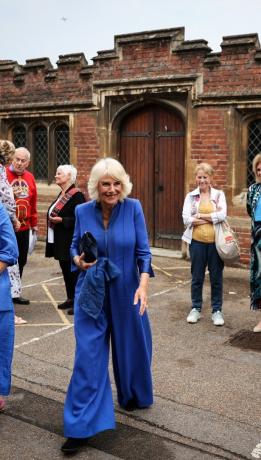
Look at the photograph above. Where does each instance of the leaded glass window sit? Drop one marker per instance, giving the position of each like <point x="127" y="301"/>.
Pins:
<point x="48" y="141"/>
<point x="40" y="154"/>
<point x="254" y="147"/>
<point x="61" y="139"/>
<point x="19" y="136"/>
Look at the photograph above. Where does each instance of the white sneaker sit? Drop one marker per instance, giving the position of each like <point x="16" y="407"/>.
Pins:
<point x="193" y="316"/>
<point x="217" y="318"/>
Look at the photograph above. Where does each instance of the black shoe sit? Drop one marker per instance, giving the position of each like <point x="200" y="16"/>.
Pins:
<point x="72" y="445"/>
<point x="21" y="301"/>
<point x="70" y="312"/>
<point x="130" y="406"/>
<point x="65" y="305"/>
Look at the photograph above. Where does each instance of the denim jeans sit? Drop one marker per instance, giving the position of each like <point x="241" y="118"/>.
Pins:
<point x="205" y="255"/>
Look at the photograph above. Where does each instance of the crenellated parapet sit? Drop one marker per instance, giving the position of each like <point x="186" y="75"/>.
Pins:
<point x="163" y="54"/>
<point x="193" y="46"/>
<point x="231" y="43"/>
<point x="75" y="59"/>
<point x="37" y="64"/>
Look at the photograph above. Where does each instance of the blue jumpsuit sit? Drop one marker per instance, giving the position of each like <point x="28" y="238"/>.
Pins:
<point x="88" y="405"/>
<point x="9" y="255"/>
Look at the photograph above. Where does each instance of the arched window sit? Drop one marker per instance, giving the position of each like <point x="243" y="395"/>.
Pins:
<point x="19" y="136"/>
<point x="254" y="147"/>
<point x="61" y="142"/>
<point x="40" y="157"/>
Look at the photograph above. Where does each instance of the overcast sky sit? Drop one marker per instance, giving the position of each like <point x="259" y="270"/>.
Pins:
<point x="33" y="28"/>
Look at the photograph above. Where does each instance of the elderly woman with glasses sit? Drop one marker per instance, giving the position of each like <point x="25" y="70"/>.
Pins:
<point x="117" y="223"/>
<point x="254" y="211"/>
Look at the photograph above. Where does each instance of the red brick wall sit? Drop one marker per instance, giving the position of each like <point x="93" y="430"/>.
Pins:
<point x="86" y="144"/>
<point x="209" y="142"/>
<point x="234" y="72"/>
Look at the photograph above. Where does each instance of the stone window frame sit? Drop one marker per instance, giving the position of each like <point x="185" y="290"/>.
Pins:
<point x="249" y="162"/>
<point x="246" y="122"/>
<point x="50" y="125"/>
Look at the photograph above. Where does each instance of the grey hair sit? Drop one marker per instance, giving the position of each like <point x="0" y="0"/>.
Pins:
<point x="112" y="168"/>
<point x="24" y="150"/>
<point x="69" y="169"/>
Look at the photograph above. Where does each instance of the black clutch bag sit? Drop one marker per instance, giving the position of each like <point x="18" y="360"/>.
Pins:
<point x="88" y="245"/>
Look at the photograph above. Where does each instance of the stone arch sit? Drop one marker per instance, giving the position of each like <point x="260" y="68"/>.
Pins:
<point x="132" y="106"/>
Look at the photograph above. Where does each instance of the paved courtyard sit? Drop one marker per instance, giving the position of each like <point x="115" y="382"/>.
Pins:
<point x="206" y="378"/>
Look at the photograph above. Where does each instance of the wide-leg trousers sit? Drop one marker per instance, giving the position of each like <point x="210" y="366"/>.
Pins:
<point x="70" y="278"/>
<point x="7" y="333"/>
<point x="89" y="404"/>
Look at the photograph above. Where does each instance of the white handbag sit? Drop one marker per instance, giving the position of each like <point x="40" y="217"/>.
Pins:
<point x="32" y="241"/>
<point x="226" y="242"/>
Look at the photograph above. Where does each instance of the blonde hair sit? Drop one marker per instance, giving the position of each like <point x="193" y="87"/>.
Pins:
<point x="255" y="162"/>
<point x="7" y="151"/>
<point x="206" y="167"/>
<point x="108" y="167"/>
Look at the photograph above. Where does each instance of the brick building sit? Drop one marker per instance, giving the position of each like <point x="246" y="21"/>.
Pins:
<point x="158" y="103"/>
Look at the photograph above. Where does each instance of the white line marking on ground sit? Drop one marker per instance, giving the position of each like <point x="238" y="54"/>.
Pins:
<point x="166" y="291"/>
<point x="60" y="312"/>
<point x="176" y="268"/>
<point x="39" y="324"/>
<point x="36" y="339"/>
<point x="42" y="282"/>
<point x="161" y="270"/>
<point x="256" y="452"/>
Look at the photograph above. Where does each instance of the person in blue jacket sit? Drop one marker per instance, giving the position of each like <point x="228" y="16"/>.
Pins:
<point x="118" y="225"/>
<point x="8" y="256"/>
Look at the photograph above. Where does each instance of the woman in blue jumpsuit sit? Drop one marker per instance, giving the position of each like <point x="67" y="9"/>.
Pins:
<point x="8" y="256"/>
<point x="118" y="225"/>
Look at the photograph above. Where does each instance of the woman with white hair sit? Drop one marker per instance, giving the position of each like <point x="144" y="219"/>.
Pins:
<point x="60" y="226"/>
<point x="118" y="225"/>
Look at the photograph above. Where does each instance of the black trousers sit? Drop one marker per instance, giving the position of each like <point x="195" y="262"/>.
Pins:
<point x="70" y="278"/>
<point x="23" y="245"/>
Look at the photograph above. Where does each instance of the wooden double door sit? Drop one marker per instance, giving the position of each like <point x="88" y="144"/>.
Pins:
<point x="152" y="152"/>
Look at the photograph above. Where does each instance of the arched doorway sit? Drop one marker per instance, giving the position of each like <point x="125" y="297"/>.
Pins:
<point x="152" y="151"/>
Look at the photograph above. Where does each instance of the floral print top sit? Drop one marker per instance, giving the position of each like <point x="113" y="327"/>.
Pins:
<point x="6" y="194"/>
